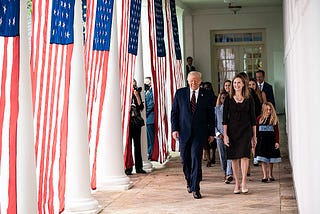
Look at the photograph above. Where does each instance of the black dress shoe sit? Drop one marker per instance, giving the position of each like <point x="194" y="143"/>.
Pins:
<point x="128" y="172"/>
<point x="189" y="189"/>
<point x="197" y="195"/>
<point x="141" y="171"/>
<point x="264" y="180"/>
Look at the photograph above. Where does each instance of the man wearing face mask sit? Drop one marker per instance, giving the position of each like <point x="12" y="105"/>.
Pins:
<point x="149" y="115"/>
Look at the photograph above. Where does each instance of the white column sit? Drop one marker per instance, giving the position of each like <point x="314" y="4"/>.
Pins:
<point x="78" y="193"/>
<point x="110" y="162"/>
<point x="26" y="164"/>
<point x="139" y="76"/>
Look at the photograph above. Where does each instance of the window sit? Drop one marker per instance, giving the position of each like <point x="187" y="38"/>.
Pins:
<point x="234" y="52"/>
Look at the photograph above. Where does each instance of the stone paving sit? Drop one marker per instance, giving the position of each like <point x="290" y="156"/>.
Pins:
<point x="164" y="191"/>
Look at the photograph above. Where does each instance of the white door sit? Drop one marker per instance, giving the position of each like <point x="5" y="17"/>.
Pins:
<point x="236" y="51"/>
<point x="230" y="60"/>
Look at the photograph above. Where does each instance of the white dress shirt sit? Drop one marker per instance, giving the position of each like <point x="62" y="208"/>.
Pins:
<point x="196" y="93"/>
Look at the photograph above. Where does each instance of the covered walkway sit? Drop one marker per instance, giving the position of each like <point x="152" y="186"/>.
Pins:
<point x="164" y="191"/>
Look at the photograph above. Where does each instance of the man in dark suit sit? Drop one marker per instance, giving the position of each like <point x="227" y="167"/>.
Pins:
<point x="189" y="66"/>
<point x="149" y="115"/>
<point x="192" y="121"/>
<point x="264" y="86"/>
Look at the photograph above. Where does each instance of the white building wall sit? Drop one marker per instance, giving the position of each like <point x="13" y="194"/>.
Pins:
<point x="302" y="45"/>
<point x="221" y="19"/>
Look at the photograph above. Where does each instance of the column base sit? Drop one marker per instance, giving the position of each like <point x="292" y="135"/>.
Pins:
<point x="82" y="206"/>
<point x="147" y="166"/>
<point x="114" y="183"/>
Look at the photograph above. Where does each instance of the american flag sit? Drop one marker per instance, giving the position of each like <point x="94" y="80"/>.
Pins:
<point x="9" y="103"/>
<point x="128" y="51"/>
<point x="97" y="45"/>
<point x="158" y="69"/>
<point x="174" y="50"/>
<point x="51" y="53"/>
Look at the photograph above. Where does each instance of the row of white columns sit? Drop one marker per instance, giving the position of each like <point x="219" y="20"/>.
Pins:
<point x="110" y="162"/>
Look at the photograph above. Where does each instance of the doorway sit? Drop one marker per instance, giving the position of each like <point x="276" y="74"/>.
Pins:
<point x="234" y="52"/>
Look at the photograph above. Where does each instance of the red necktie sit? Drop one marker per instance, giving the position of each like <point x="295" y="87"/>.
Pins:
<point x="193" y="101"/>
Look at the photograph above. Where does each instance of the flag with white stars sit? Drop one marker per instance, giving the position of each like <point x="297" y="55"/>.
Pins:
<point x="174" y="56"/>
<point x="161" y="51"/>
<point x="102" y="27"/>
<point x="62" y="22"/>
<point x="9" y="103"/>
<point x="99" y="36"/>
<point x="135" y="15"/>
<point x="175" y="31"/>
<point x="52" y="45"/>
<point x="9" y="17"/>
<point x="130" y="24"/>
<point x="159" y="72"/>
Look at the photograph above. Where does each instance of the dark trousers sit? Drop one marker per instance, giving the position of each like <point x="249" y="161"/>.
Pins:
<point x="150" y="138"/>
<point x="135" y="137"/>
<point x="191" y="156"/>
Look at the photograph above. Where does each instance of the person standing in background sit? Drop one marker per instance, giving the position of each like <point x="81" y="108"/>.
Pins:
<point x="189" y="65"/>
<point x="209" y="149"/>
<point x="266" y="87"/>
<point x="258" y="107"/>
<point x="135" y="130"/>
<point x="227" y="86"/>
<point x="149" y="115"/>
<point x="226" y="165"/>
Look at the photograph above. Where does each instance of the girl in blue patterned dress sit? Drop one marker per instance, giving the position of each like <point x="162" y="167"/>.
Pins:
<point x="267" y="151"/>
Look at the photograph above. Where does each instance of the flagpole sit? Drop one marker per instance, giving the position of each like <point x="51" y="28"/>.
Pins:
<point x="139" y="76"/>
<point x="26" y="164"/>
<point x="78" y="194"/>
<point x="110" y="163"/>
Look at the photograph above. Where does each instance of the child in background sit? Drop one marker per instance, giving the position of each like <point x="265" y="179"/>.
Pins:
<point x="226" y="165"/>
<point x="267" y="151"/>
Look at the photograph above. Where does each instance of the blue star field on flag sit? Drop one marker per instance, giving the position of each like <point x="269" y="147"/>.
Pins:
<point x="175" y="29"/>
<point x="161" y="52"/>
<point x="9" y="17"/>
<point x="135" y="14"/>
<point x="62" y="18"/>
<point x="103" y="23"/>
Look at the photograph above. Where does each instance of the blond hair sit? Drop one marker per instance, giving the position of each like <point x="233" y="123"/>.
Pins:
<point x="264" y="116"/>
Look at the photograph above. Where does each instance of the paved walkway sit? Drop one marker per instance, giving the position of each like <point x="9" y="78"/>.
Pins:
<point x="164" y="191"/>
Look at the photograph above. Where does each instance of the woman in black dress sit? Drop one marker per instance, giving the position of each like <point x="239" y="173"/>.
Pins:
<point x="239" y="123"/>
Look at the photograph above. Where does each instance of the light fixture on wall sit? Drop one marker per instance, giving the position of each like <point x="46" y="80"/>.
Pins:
<point x="234" y="8"/>
<point x="230" y="1"/>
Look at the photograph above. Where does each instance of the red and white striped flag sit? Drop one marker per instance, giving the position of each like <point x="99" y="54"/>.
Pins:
<point x="130" y="23"/>
<point x="9" y="103"/>
<point x="158" y="70"/>
<point x="17" y="163"/>
<point x="174" y="51"/>
<point x="97" y="46"/>
<point x="51" y="53"/>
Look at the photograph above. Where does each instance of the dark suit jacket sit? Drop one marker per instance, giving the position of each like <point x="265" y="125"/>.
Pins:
<point x="149" y="107"/>
<point x="200" y="124"/>
<point x="190" y="68"/>
<point x="267" y="88"/>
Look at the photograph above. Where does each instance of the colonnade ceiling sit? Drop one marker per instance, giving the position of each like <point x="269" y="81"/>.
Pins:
<point x="211" y="4"/>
